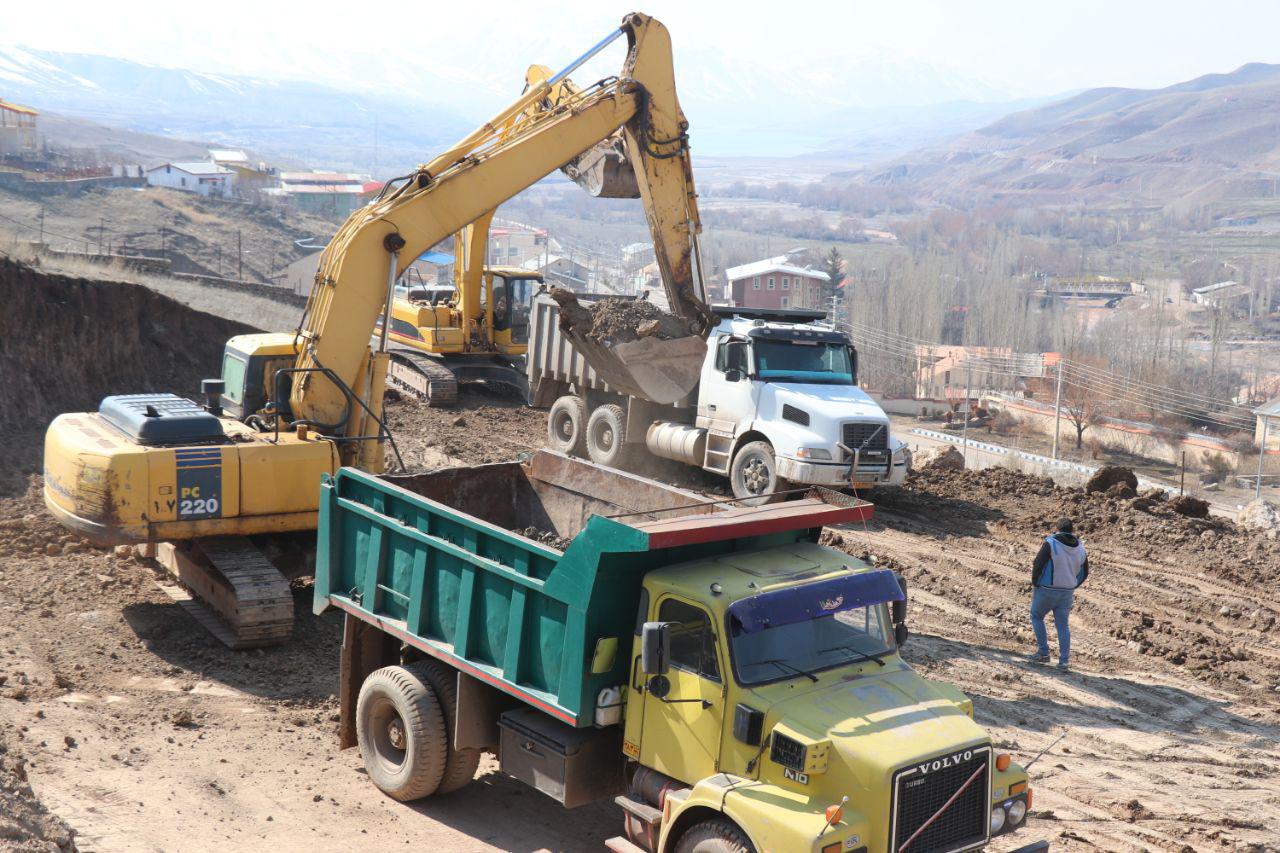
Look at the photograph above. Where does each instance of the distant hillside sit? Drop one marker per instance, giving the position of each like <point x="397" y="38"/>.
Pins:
<point x="317" y="124"/>
<point x="1213" y="138"/>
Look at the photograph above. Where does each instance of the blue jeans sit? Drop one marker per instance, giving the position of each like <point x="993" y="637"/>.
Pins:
<point x="1058" y="601"/>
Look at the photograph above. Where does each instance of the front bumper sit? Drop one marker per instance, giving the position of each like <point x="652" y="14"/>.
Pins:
<point x="836" y="475"/>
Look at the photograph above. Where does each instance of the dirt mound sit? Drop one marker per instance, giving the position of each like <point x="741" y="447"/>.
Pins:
<point x="65" y="343"/>
<point x="1190" y="507"/>
<point x="1260" y="515"/>
<point x="25" y="823"/>
<point x="618" y="321"/>
<point x="976" y="502"/>
<point x="1106" y="477"/>
<point x="944" y="457"/>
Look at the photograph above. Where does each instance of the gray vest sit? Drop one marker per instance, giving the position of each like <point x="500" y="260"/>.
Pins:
<point x="1065" y="565"/>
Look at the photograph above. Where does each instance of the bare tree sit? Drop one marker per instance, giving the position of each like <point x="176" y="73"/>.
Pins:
<point x="1083" y="407"/>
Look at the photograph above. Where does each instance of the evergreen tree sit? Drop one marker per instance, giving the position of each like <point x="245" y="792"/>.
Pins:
<point x="833" y="266"/>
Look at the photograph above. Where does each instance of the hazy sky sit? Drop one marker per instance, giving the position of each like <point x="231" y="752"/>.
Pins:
<point x="996" y="49"/>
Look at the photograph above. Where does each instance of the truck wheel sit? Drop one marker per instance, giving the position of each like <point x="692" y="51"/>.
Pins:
<point x="567" y="425"/>
<point x="754" y="474"/>
<point x="401" y="731"/>
<point x="460" y="765"/>
<point x="714" y="836"/>
<point x="606" y="436"/>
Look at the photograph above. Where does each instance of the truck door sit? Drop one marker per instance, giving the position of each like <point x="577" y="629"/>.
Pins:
<point x="726" y="399"/>
<point x="680" y="736"/>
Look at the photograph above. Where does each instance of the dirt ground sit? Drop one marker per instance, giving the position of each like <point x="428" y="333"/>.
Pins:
<point x="137" y="731"/>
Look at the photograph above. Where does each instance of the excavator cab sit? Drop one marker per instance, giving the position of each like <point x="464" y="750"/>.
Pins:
<point x="511" y="290"/>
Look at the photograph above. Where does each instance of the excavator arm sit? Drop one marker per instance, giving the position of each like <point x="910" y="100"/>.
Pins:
<point x="337" y="381"/>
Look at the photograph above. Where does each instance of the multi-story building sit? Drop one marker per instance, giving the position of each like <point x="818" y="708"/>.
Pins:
<point x="778" y="282"/>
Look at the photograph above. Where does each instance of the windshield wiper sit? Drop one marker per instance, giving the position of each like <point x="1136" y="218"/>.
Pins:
<point x="861" y="654"/>
<point x="796" y="669"/>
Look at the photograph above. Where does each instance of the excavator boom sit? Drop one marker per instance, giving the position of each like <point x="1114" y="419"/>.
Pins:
<point x="551" y="124"/>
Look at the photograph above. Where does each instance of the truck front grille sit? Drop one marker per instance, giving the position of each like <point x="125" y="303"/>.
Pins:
<point x="855" y="433"/>
<point x="920" y="790"/>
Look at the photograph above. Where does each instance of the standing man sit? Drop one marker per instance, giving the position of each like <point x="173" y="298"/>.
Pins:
<point x="1060" y="566"/>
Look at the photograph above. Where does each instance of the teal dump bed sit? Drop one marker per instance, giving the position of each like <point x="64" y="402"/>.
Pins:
<point x="433" y="560"/>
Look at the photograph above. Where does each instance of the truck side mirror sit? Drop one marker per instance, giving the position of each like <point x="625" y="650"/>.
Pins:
<point x="900" y="634"/>
<point x="898" y="609"/>
<point x="734" y="375"/>
<point x="655" y="642"/>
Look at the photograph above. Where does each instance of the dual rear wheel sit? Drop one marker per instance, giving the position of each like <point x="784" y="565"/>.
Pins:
<point x="600" y="436"/>
<point x="404" y="722"/>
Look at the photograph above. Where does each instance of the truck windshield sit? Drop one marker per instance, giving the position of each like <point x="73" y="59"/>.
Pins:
<point x="803" y="361"/>
<point x="799" y="631"/>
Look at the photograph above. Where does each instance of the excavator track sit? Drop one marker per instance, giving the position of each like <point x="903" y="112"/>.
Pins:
<point x="423" y="377"/>
<point x="239" y="596"/>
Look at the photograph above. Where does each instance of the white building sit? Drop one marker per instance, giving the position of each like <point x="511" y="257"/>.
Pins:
<point x="228" y="157"/>
<point x="207" y="179"/>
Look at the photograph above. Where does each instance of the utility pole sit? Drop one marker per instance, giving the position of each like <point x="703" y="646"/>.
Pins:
<point x="42" y="227"/>
<point x="1262" y="451"/>
<point x="1057" y="408"/>
<point x="239" y="258"/>
<point x="964" y="429"/>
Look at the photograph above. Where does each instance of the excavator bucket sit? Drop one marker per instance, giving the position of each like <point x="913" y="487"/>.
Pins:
<point x="604" y="170"/>
<point x="652" y="369"/>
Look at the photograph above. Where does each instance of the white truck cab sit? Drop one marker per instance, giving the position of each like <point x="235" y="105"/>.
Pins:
<point x="777" y="408"/>
<point x="782" y="398"/>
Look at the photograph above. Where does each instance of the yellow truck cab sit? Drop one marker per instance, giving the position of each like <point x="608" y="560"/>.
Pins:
<point x="784" y="696"/>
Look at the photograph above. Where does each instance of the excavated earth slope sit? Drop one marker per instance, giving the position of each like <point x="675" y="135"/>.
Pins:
<point x="66" y="342"/>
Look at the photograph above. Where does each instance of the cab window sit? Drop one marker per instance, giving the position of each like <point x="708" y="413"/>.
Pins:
<point x="233" y="370"/>
<point x="731" y="354"/>
<point x="693" y="643"/>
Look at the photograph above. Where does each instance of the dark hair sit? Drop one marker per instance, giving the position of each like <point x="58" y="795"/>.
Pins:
<point x="1066" y="525"/>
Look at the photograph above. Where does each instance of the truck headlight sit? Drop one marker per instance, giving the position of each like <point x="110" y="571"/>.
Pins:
<point x="815" y="453"/>
<point x="1017" y="812"/>
<point x="997" y="819"/>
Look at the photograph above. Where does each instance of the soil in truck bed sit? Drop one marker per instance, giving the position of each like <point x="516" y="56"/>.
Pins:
<point x="618" y="321"/>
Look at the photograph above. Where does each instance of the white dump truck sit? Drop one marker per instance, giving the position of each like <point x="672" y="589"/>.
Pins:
<point x="777" y="406"/>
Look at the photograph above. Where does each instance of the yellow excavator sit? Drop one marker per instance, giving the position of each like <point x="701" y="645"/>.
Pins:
<point x="479" y="333"/>
<point x="216" y="489"/>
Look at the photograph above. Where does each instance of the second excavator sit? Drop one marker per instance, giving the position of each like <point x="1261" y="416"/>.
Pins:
<point x="220" y="485"/>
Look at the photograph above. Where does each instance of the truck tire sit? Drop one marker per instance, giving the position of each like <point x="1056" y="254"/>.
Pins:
<point x="607" y="435"/>
<point x="567" y="425"/>
<point x="461" y="764"/>
<point x="754" y="474"/>
<point x="401" y="732"/>
<point x="714" y="836"/>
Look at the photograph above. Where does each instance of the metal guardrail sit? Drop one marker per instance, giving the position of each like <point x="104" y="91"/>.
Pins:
<point x="1054" y="464"/>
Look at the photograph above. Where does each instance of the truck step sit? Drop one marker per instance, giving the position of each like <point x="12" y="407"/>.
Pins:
<point x="618" y="844"/>
<point x="640" y="810"/>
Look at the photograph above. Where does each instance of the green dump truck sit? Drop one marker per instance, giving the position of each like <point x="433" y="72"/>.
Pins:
<point x="732" y="684"/>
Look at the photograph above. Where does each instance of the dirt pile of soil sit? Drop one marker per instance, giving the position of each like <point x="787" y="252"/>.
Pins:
<point x="618" y="321"/>
<point x="1110" y="476"/>
<point x="943" y="457"/>
<point x="1147" y="526"/>
<point x="25" y="823"/>
<point x="492" y="427"/>
<point x="65" y="343"/>
<point x="1189" y="506"/>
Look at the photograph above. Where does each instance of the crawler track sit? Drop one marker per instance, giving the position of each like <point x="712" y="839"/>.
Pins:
<point x="240" y="597"/>
<point x="423" y="377"/>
